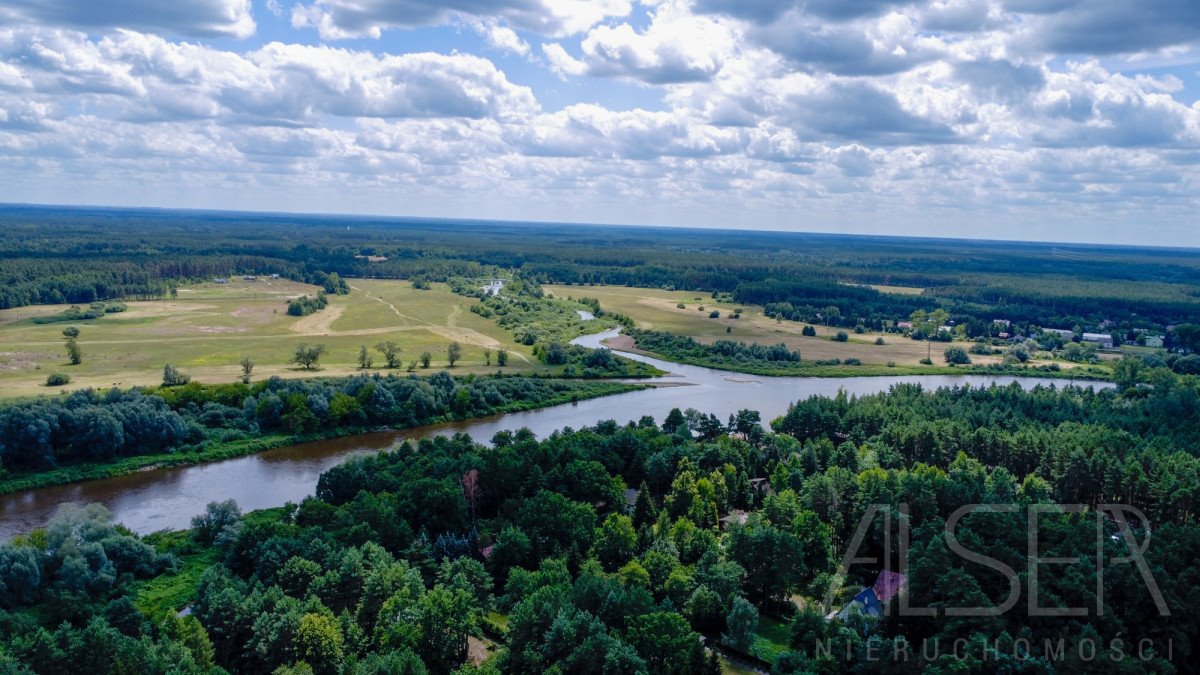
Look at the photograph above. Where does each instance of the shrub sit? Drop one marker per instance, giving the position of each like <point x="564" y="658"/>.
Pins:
<point x="714" y="314"/>
<point x="58" y="379"/>
<point x="879" y="341"/>
<point x="841" y="336"/>
<point x="808" y="331"/>
<point x="173" y="378"/>
<point x="957" y="356"/>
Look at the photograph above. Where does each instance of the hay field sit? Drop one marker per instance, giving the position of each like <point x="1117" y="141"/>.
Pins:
<point x="655" y="309"/>
<point x="208" y="328"/>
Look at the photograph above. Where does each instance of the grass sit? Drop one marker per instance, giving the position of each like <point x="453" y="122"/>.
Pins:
<point x="168" y="593"/>
<point x="772" y="640"/>
<point x="656" y="309"/>
<point x="208" y="328"/>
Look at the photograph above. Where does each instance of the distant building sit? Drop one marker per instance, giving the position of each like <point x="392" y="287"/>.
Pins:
<point x="903" y="324"/>
<point x="1002" y="322"/>
<point x="1154" y="341"/>
<point x="1103" y="339"/>
<point x="1064" y="333"/>
<point x="250" y="277"/>
<point x="1004" y="336"/>
<point x="220" y="280"/>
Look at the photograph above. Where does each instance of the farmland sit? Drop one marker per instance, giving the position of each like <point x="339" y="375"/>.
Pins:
<point x="654" y="309"/>
<point x="208" y="328"/>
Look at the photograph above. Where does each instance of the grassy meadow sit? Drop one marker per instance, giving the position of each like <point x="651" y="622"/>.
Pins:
<point x="655" y="309"/>
<point x="209" y="327"/>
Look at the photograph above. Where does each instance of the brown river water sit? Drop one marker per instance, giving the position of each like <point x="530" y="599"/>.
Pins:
<point x="168" y="498"/>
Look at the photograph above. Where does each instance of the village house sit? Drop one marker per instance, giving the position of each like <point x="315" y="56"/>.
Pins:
<point x="871" y="600"/>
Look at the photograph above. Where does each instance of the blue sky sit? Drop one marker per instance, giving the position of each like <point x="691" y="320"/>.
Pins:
<point x="1066" y="120"/>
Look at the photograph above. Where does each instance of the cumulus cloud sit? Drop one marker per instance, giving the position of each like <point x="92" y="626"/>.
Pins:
<point x="709" y="112"/>
<point x="677" y="47"/>
<point x="140" y="76"/>
<point x="1108" y="26"/>
<point x="339" y="19"/>
<point x="193" y="18"/>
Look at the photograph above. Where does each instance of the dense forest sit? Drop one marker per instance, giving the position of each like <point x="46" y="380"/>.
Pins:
<point x="729" y="542"/>
<point x="88" y="426"/>
<point x="81" y="255"/>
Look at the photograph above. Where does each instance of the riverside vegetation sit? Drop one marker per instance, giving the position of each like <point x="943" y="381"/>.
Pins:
<point x="90" y="434"/>
<point x="526" y="556"/>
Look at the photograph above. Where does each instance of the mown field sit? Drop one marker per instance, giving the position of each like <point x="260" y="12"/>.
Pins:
<point x="655" y="309"/>
<point x="208" y="328"/>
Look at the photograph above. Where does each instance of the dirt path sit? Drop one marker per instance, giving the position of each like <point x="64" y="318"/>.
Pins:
<point x="451" y="331"/>
<point x="320" y="322"/>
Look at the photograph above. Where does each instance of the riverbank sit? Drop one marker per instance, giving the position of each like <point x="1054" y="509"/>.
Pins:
<point x="628" y="345"/>
<point x="219" y="451"/>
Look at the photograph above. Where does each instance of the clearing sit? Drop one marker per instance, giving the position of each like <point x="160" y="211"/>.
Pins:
<point x="656" y="309"/>
<point x="209" y="327"/>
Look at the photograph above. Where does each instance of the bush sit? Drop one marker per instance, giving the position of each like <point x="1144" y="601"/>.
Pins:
<point x="714" y="314"/>
<point x="852" y="362"/>
<point x="173" y="378"/>
<point x="879" y="341"/>
<point x="957" y="356"/>
<point x="808" y="331"/>
<point x="58" y="380"/>
<point x="926" y="362"/>
<point x="841" y="336"/>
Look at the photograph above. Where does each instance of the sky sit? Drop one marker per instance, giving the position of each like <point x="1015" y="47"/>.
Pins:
<point x="1057" y="120"/>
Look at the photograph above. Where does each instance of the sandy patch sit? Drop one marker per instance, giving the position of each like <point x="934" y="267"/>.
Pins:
<point x="16" y="361"/>
<point x="318" y="323"/>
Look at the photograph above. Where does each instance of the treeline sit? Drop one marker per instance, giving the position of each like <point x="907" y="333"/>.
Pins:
<point x="401" y="557"/>
<point x="91" y="426"/>
<point x="718" y="354"/>
<point x="96" y="254"/>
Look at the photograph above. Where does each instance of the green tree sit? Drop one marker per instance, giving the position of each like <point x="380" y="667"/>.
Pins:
<point x="667" y="643"/>
<point x="318" y="642"/>
<point x="741" y="625"/>
<point x="74" y="353"/>
<point x="453" y="353"/>
<point x="308" y="357"/>
<point x="615" y="541"/>
<point x="426" y="357"/>
<point x="1126" y="371"/>
<point x="447" y="618"/>
<point x="391" y="353"/>
<point x="364" y="358"/>
<point x="247" y="368"/>
<point x="172" y="377"/>
<point x="502" y="357"/>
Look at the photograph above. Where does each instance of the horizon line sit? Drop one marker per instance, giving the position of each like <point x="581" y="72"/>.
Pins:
<point x="648" y="226"/>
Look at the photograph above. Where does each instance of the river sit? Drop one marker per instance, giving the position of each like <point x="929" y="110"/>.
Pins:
<point x="168" y="498"/>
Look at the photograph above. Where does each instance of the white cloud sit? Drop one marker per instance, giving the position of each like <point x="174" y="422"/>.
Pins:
<point x="677" y="47"/>
<point x="711" y="112"/>
<point x="193" y="18"/>
<point x="340" y="19"/>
